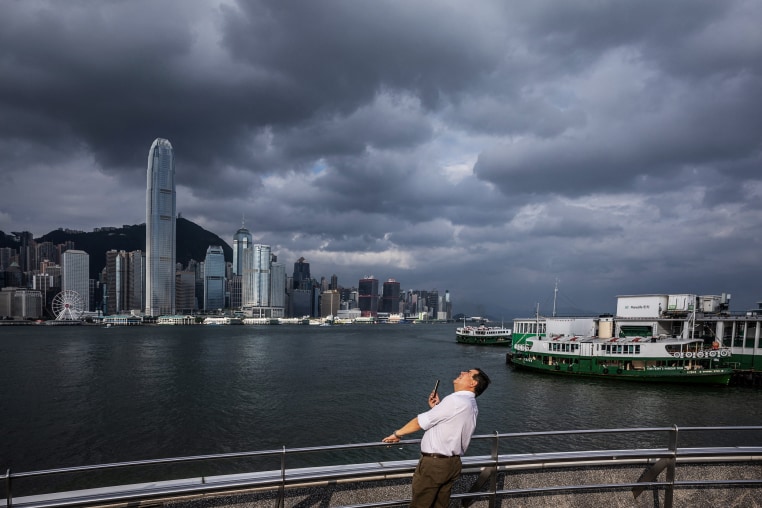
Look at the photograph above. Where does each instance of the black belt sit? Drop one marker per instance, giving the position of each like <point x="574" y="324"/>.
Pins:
<point x="438" y="455"/>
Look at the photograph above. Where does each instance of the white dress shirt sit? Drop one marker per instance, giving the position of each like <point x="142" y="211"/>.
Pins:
<point x="450" y="424"/>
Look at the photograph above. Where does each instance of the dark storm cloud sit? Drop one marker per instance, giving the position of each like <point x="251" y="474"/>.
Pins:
<point x="486" y="148"/>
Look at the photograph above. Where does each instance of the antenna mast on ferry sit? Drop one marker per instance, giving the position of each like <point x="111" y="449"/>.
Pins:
<point x="555" y="294"/>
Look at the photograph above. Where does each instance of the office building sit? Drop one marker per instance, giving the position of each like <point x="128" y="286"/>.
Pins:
<point x="330" y="303"/>
<point x="75" y="274"/>
<point x="136" y="280"/>
<point x="185" y="292"/>
<point x="278" y="285"/>
<point x="302" y="278"/>
<point x="116" y="282"/>
<point x="390" y="297"/>
<point x="241" y="242"/>
<point x="214" y="279"/>
<point x="160" y="229"/>
<point x="255" y="286"/>
<point x="367" y="296"/>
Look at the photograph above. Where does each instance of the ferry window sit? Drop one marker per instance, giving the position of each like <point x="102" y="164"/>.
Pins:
<point x="637" y="349"/>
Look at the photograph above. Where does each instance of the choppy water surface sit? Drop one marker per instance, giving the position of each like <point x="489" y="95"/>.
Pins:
<point x="88" y="395"/>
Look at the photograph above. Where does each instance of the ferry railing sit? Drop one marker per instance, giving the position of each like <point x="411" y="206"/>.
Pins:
<point x="492" y="469"/>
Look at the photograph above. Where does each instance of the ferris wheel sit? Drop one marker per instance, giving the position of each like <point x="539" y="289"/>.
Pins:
<point x="67" y="306"/>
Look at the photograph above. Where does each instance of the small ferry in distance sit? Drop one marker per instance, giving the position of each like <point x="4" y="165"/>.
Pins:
<point x="483" y="335"/>
<point x="222" y="320"/>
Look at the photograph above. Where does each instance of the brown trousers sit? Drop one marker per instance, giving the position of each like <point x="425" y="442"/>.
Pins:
<point x="433" y="480"/>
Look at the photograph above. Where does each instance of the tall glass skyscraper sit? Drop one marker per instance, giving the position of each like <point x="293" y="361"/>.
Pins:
<point x="255" y="286"/>
<point x="160" y="229"/>
<point x="241" y="242"/>
<point x="214" y="278"/>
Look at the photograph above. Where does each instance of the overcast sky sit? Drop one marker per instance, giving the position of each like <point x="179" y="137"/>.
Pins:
<point x="485" y="148"/>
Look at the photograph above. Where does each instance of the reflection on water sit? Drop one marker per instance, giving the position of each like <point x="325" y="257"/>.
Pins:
<point x="86" y="395"/>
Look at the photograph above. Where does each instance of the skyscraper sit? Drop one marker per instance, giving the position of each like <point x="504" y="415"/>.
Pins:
<point x="160" y="229"/>
<point x="302" y="279"/>
<point x="367" y="296"/>
<point x="214" y="278"/>
<point x="390" y="299"/>
<point x="241" y="241"/>
<point x="255" y="286"/>
<point x="75" y="274"/>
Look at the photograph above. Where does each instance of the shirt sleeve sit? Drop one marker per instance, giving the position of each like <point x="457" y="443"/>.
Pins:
<point x="445" y="409"/>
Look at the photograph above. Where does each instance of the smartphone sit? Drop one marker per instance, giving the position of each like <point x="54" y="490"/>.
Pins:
<point x="436" y="387"/>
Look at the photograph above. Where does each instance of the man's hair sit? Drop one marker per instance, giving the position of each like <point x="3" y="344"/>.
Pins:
<point x="482" y="381"/>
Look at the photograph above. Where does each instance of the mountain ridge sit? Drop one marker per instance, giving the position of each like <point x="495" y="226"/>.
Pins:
<point x="191" y="242"/>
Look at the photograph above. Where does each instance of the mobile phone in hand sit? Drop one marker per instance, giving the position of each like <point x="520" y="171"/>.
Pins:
<point x="436" y="387"/>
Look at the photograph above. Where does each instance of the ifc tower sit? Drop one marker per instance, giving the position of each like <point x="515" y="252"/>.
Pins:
<point x="160" y="229"/>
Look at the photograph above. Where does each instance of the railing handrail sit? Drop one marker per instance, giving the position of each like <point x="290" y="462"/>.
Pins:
<point x="495" y="460"/>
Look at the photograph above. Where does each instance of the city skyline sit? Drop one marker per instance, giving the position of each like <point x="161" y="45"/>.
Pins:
<point x="487" y="148"/>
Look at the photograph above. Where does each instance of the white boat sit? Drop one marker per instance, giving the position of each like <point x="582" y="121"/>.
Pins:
<point x="222" y="320"/>
<point x="484" y="335"/>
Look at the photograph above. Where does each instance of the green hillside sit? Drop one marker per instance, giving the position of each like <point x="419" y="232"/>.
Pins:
<point x="192" y="242"/>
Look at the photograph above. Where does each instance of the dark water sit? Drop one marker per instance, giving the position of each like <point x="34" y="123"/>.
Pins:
<point x="88" y="395"/>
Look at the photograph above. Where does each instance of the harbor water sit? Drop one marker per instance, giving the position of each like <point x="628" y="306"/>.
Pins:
<point x="83" y="395"/>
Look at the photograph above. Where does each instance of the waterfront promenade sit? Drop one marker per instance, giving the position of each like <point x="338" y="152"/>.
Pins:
<point x="663" y="475"/>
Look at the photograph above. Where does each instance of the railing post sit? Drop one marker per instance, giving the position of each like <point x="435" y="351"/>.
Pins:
<point x="669" y="491"/>
<point x="282" y="488"/>
<point x="8" y="496"/>
<point x="493" y="476"/>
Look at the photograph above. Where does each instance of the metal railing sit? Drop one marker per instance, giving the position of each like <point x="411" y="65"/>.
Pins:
<point x="531" y="451"/>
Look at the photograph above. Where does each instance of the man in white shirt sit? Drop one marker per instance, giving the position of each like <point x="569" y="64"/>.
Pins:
<point x="449" y="426"/>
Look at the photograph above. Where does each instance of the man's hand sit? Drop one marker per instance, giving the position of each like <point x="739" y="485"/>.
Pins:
<point x="391" y="439"/>
<point x="433" y="399"/>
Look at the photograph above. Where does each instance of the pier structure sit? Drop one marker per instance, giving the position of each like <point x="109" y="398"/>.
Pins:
<point x="633" y="467"/>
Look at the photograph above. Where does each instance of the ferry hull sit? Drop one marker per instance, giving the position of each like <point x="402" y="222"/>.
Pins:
<point x="715" y="376"/>
<point x="484" y="341"/>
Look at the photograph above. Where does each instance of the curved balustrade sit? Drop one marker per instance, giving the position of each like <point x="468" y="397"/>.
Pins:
<point x="526" y="467"/>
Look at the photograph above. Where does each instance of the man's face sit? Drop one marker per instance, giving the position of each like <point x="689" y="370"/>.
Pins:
<point x="466" y="380"/>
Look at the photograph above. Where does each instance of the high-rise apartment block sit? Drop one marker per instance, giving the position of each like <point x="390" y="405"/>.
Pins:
<point x="160" y="229"/>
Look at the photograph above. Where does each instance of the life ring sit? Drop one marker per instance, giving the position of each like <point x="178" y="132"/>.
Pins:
<point x="605" y="370"/>
<point x="700" y="354"/>
<point x="724" y="352"/>
<point x="677" y="355"/>
<point x="689" y="354"/>
<point x="713" y="353"/>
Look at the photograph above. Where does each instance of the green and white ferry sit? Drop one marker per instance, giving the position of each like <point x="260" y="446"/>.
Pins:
<point x="660" y="338"/>
<point x="483" y="335"/>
